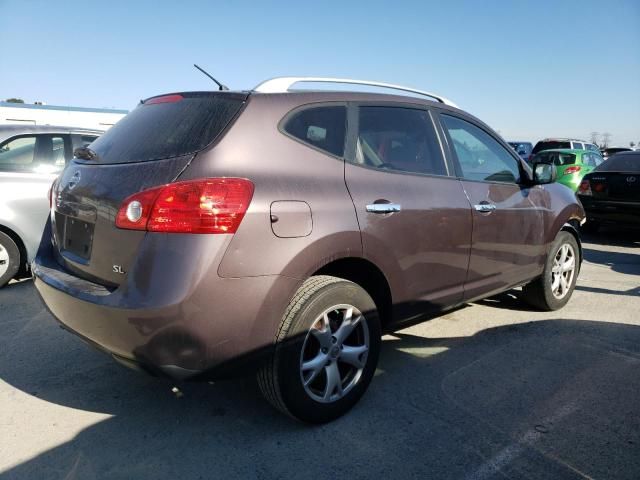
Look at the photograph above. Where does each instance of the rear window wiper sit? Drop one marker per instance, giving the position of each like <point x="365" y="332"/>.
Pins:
<point x="85" y="153"/>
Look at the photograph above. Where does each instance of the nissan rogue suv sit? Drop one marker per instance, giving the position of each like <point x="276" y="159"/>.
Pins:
<point x="212" y="233"/>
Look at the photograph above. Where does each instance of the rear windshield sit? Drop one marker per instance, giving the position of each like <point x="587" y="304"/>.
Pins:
<point x="551" y="145"/>
<point x="168" y="126"/>
<point x="624" y="162"/>
<point x="557" y="158"/>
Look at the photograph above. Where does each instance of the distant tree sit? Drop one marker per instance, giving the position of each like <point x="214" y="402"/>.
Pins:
<point x="632" y="144"/>
<point x="605" y="139"/>
<point x="14" y="100"/>
<point x="594" y="137"/>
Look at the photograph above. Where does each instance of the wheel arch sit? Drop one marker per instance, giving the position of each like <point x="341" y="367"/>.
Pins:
<point x="573" y="230"/>
<point x="368" y="276"/>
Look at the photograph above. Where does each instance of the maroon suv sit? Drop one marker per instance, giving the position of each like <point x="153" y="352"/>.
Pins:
<point x="212" y="232"/>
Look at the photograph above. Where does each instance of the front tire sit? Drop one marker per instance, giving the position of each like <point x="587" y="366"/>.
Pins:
<point x="326" y="351"/>
<point x="553" y="289"/>
<point x="9" y="259"/>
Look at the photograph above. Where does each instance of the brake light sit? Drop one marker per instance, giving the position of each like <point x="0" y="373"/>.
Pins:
<point x="585" y="188"/>
<point x="210" y="205"/>
<point x="570" y="170"/>
<point x="164" y="99"/>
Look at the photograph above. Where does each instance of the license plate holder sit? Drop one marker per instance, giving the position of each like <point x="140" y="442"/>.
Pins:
<point x="78" y="237"/>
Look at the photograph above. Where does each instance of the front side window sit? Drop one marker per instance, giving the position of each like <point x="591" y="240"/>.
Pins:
<point x="17" y="153"/>
<point x="322" y="127"/>
<point x="400" y="139"/>
<point x="34" y="153"/>
<point x="480" y="156"/>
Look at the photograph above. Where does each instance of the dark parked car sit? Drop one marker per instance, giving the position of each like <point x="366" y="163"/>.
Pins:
<point x="607" y="152"/>
<point x="611" y="192"/>
<point x="214" y="232"/>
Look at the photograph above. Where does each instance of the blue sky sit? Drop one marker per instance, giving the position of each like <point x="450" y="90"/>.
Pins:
<point x="529" y="69"/>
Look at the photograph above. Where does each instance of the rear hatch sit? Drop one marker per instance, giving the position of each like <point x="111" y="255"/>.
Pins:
<point x="151" y="146"/>
<point x="618" y="178"/>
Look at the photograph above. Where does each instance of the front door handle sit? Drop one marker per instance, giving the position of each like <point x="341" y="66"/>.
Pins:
<point x="485" y="207"/>
<point x="383" y="208"/>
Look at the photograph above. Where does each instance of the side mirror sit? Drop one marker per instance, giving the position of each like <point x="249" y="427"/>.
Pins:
<point x="544" y="173"/>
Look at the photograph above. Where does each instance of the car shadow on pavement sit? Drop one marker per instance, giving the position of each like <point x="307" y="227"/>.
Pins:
<point x="548" y="399"/>
<point x="615" y="236"/>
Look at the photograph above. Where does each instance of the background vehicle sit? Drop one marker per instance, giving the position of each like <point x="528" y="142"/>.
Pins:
<point x="262" y="229"/>
<point x="571" y="165"/>
<point x="611" y="193"/>
<point x="522" y="148"/>
<point x="560" y="144"/>
<point x="30" y="159"/>
<point x="607" y="152"/>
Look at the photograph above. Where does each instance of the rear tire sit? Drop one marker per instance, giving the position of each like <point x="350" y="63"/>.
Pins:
<point x="9" y="259"/>
<point x="326" y="351"/>
<point x="553" y="289"/>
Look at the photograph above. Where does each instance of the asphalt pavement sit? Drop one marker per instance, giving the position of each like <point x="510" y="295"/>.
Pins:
<point x="492" y="390"/>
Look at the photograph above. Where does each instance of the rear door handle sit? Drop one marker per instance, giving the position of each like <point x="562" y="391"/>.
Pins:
<point x="485" y="207"/>
<point x="383" y="207"/>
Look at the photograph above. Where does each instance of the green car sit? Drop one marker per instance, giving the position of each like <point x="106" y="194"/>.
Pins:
<point x="571" y="165"/>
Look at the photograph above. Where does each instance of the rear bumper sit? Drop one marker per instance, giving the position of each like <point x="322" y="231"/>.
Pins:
<point x="215" y="327"/>
<point x="627" y="213"/>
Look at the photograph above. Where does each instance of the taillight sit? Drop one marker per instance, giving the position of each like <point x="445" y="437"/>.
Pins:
<point x="585" y="188"/>
<point x="570" y="170"/>
<point x="210" y="205"/>
<point x="164" y="99"/>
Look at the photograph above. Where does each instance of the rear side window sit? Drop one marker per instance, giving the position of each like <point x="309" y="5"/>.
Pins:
<point x="322" y="127"/>
<point x="551" y="145"/>
<point x="578" y="146"/>
<point x="401" y="139"/>
<point x="168" y="126"/>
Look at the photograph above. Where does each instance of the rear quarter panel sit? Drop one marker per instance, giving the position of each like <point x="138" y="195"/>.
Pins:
<point x="282" y="169"/>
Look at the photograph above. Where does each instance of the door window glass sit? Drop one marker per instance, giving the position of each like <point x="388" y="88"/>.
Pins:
<point x="480" y="156"/>
<point x="400" y="139"/>
<point x="578" y="146"/>
<point x="17" y="154"/>
<point x="322" y="127"/>
<point x="36" y="154"/>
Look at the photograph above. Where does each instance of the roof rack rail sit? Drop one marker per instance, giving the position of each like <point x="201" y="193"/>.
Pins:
<point x="283" y="85"/>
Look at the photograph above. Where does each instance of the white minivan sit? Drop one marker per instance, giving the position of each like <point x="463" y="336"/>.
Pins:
<point x="31" y="156"/>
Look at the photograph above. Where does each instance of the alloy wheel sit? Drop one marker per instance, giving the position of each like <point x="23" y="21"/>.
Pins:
<point x="334" y="353"/>
<point x="563" y="271"/>
<point x="4" y="260"/>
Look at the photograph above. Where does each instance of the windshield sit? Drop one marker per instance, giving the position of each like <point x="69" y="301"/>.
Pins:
<point x="557" y="158"/>
<point x="551" y="145"/>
